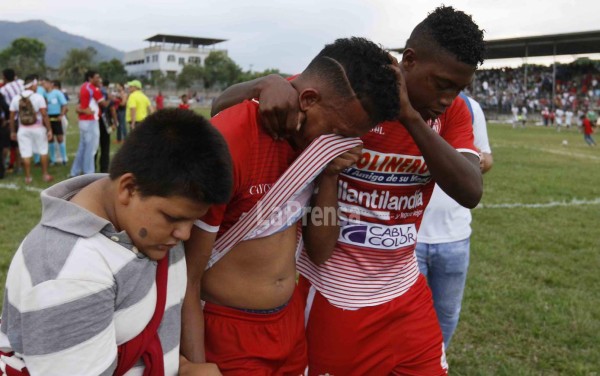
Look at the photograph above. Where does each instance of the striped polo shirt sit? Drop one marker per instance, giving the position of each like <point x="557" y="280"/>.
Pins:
<point x="77" y="288"/>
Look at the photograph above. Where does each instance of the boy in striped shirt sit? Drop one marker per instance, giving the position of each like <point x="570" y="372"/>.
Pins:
<point x="96" y="287"/>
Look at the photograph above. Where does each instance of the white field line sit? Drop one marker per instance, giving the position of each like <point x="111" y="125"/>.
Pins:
<point x="16" y="187"/>
<point x="551" y="204"/>
<point x="564" y="152"/>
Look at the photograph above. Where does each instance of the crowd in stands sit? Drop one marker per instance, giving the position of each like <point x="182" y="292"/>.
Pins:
<point x="501" y="90"/>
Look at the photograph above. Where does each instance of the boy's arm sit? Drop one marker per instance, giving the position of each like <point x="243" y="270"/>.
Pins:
<point x="46" y="121"/>
<point x="197" y="253"/>
<point x="322" y="230"/>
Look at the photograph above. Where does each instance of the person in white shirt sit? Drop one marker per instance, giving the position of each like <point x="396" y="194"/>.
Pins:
<point x="32" y="136"/>
<point x="443" y="241"/>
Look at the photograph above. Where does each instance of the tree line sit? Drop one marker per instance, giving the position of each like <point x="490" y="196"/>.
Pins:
<point x="27" y="56"/>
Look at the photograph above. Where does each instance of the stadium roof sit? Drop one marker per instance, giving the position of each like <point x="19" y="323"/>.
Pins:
<point x="586" y="42"/>
<point x="181" y="39"/>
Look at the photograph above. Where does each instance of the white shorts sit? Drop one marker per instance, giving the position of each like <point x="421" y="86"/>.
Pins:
<point x="32" y="141"/>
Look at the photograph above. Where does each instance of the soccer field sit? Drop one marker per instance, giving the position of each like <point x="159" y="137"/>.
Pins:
<point x="532" y="303"/>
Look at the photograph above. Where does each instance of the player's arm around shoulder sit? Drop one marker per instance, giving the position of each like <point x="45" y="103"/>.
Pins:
<point x="198" y="250"/>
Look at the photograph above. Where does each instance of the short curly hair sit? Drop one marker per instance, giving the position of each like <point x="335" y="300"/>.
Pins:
<point x="176" y="152"/>
<point x="366" y="67"/>
<point x="453" y="31"/>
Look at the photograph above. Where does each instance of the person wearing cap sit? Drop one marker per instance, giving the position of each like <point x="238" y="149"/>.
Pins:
<point x="138" y="104"/>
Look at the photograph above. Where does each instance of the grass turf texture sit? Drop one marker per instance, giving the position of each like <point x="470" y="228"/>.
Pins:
<point x="532" y="302"/>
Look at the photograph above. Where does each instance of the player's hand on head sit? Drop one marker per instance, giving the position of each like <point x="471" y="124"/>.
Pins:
<point x="279" y="107"/>
<point x="345" y="160"/>
<point x="406" y="110"/>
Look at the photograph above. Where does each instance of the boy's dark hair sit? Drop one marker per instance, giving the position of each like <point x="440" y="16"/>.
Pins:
<point x="177" y="152"/>
<point x="9" y="74"/>
<point x="57" y="84"/>
<point x="89" y="74"/>
<point x="453" y="31"/>
<point x="366" y="67"/>
<point x="29" y="78"/>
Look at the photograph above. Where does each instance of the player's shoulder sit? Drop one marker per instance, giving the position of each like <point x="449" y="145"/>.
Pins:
<point x="239" y="126"/>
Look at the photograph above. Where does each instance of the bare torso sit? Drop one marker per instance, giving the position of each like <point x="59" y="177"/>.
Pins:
<point x="255" y="274"/>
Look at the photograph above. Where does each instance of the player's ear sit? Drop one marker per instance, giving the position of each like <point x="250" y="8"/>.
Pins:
<point x="308" y="98"/>
<point x="409" y="59"/>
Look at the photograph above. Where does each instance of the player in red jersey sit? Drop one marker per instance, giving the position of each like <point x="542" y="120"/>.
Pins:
<point x="252" y="322"/>
<point x="369" y="310"/>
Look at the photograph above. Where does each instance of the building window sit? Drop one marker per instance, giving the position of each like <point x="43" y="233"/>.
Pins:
<point x="171" y="58"/>
<point x="154" y="58"/>
<point x="194" y="60"/>
<point x="147" y="59"/>
<point x="182" y="61"/>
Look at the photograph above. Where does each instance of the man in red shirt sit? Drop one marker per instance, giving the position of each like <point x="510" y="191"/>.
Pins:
<point x="252" y="322"/>
<point x="368" y="309"/>
<point x="160" y="101"/>
<point x="90" y="99"/>
<point x="587" y="130"/>
<point x="184" y="105"/>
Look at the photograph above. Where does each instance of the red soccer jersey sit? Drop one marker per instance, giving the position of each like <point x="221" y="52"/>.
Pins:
<point x="258" y="161"/>
<point x="385" y="196"/>
<point x="89" y="96"/>
<point x="587" y="126"/>
<point x="160" y="102"/>
<point x="184" y="106"/>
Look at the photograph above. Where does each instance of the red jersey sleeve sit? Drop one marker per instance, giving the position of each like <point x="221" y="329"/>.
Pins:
<point x="239" y="130"/>
<point x="457" y="127"/>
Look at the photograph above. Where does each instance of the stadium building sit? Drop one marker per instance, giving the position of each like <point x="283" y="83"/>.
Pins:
<point x="169" y="54"/>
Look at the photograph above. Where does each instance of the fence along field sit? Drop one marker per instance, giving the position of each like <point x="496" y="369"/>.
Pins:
<point x="532" y="303"/>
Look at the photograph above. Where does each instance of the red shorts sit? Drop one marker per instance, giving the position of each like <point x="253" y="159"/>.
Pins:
<point x="243" y="343"/>
<point x="400" y="337"/>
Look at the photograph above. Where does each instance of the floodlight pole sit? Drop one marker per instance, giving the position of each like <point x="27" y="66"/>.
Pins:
<point x="525" y="73"/>
<point x="553" y="77"/>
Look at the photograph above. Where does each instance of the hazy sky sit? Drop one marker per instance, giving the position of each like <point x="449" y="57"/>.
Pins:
<point x="286" y="34"/>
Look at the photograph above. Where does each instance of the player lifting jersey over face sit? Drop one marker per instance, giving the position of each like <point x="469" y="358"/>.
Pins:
<point x="252" y="319"/>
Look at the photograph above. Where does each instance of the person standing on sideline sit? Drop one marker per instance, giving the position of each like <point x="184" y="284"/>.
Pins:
<point x="4" y="134"/>
<point x="108" y="117"/>
<point x="369" y="310"/>
<point x="57" y="109"/>
<point x="587" y="130"/>
<point x="444" y="238"/>
<point x="120" y="103"/>
<point x="12" y="87"/>
<point x="184" y="105"/>
<point x="34" y="129"/>
<point x="138" y="104"/>
<point x="90" y="99"/>
<point x="160" y="101"/>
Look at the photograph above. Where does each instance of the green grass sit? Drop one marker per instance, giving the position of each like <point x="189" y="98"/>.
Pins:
<point x="532" y="303"/>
